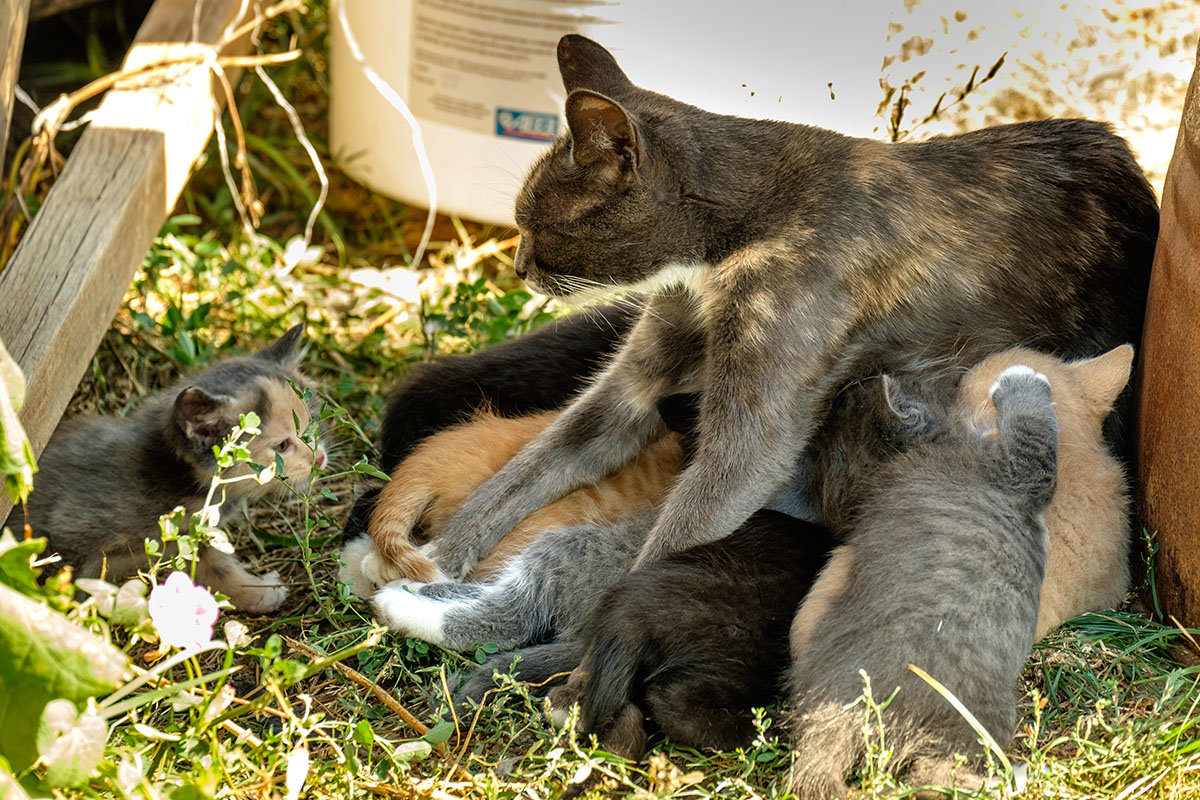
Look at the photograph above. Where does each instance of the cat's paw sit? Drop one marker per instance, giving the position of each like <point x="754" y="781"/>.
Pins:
<point x="264" y="597"/>
<point x="400" y="606"/>
<point x="454" y="559"/>
<point x="355" y="570"/>
<point x="559" y="701"/>
<point x="1014" y="375"/>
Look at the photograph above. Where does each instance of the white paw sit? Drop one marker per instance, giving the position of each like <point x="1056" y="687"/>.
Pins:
<point x="265" y="597"/>
<point x="354" y="556"/>
<point x="399" y="607"/>
<point x="1016" y="371"/>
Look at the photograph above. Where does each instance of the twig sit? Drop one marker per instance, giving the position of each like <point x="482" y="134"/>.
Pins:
<point x="1186" y="634"/>
<point x="362" y="680"/>
<point x="52" y="116"/>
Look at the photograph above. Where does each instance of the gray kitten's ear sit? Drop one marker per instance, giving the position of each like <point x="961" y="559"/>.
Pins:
<point x="204" y="418"/>
<point x="601" y="131"/>
<point x="285" y="350"/>
<point x="584" y="64"/>
<point x="902" y="404"/>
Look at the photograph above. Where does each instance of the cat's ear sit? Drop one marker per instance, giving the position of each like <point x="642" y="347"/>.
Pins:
<point x="586" y="65"/>
<point x="1103" y="377"/>
<point x="204" y="418"/>
<point x="285" y="350"/>
<point x="601" y="132"/>
<point x="902" y="404"/>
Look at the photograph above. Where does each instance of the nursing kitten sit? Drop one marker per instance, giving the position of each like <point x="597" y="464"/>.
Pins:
<point x="538" y="371"/>
<point x="784" y="262"/>
<point x="942" y="570"/>
<point x="103" y="482"/>
<point x="1088" y="520"/>
<point x="696" y="639"/>
<point x="429" y="485"/>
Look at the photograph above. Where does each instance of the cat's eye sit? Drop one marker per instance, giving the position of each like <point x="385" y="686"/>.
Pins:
<point x="283" y="446"/>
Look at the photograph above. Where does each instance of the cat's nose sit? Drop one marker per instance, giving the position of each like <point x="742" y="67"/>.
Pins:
<point x="320" y="458"/>
<point x="519" y="266"/>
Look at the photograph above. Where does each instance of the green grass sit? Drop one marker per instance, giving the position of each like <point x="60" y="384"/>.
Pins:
<point x="1109" y="703"/>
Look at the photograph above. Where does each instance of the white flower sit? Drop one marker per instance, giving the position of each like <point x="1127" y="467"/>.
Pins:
<point x="297" y="253"/>
<point x="183" y="613"/>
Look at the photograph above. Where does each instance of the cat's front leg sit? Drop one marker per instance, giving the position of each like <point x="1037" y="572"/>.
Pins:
<point x="770" y="364"/>
<point x="256" y="594"/>
<point x="609" y="423"/>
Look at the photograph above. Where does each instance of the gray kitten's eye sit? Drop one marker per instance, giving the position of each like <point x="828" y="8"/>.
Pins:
<point x="283" y="446"/>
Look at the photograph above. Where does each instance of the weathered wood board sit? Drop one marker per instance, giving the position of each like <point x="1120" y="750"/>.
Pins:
<point x="13" y="16"/>
<point x="66" y="279"/>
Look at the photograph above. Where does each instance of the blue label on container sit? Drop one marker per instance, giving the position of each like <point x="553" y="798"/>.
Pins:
<point x="526" y="124"/>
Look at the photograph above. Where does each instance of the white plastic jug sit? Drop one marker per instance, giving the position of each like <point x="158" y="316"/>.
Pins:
<point x="482" y="79"/>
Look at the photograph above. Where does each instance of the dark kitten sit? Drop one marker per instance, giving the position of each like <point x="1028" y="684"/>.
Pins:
<point x="103" y="482"/>
<point x="539" y="371"/>
<point x="943" y="570"/>
<point x="785" y="262"/>
<point x="696" y="639"/>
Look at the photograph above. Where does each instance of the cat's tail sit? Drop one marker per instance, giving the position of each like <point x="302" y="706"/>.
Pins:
<point x="832" y="739"/>
<point x="398" y="514"/>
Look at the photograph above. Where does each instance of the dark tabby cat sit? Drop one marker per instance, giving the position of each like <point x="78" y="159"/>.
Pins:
<point x="943" y="570"/>
<point x="785" y="262"/>
<point x="104" y="482"/>
<point x="696" y="639"/>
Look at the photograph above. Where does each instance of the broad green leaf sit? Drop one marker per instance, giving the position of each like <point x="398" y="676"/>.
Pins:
<point x="439" y="732"/>
<point x="16" y="570"/>
<point x="16" y="456"/>
<point x="44" y="656"/>
<point x="71" y="743"/>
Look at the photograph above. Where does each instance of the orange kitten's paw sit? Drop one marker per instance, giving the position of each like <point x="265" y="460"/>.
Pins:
<point x="265" y="597"/>
<point x="353" y="554"/>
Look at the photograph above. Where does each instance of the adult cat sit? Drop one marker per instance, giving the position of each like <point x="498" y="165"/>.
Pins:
<point x="787" y="261"/>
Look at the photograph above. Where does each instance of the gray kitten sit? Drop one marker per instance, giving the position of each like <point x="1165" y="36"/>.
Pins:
<point x="103" y="482"/>
<point x="783" y="262"/>
<point x="942" y="570"/>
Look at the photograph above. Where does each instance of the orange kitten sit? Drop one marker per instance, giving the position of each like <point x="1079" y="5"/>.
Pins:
<point x="428" y="487"/>
<point x="1088" y="520"/>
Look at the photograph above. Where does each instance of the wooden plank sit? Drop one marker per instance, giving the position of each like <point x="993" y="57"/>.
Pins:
<point x="66" y="280"/>
<point x="13" y="17"/>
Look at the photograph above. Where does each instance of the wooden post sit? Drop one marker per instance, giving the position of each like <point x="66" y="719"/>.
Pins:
<point x="68" y="276"/>
<point x="13" y="16"/>
<point x="1168" y="425"/>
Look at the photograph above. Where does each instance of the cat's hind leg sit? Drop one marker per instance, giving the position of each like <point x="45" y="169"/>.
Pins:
<point x="1028" y="432"/>
<point x="456" y="617"/>
<point x="544" y="667"/>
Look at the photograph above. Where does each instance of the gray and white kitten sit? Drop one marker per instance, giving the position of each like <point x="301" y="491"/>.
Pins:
<point x="103" y="482"/>
<point x="943" y="571"/>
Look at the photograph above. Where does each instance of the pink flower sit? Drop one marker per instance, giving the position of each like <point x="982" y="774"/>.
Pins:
<point x="183" y="613"/>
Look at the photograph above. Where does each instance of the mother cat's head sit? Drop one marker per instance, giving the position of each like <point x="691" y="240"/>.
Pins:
<point x="620" y="199"/>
